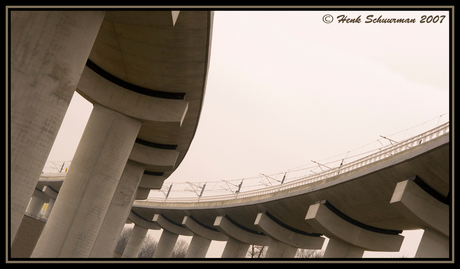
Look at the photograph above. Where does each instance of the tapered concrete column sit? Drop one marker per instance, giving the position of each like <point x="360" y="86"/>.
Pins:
<point x="165" y="245"/>
<point x="327" y="220"/>
<point x="198" y="247"/>
<point x="118" y="212"/>
<point x="235" y="249"/>
<point x="433" y="245"/>
<point x="90" y="184"/>
<point x="202" y="235"/>
<point x="169" y="236"/>
<point x="52" y="198"/>
<point x="427" y="209"/>
<point x="285" y="239"/>
<point x="49" y="50"/>
<point x="239" y="237"/>
<point x="135" y="242"/>
<point x="47" y="212"/>
<point x="35" y="205"/>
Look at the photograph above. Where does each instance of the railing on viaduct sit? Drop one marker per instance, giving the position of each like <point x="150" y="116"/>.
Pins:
<point x="367" y="160"/>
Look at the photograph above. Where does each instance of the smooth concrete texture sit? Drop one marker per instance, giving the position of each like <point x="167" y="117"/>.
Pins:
<point x="205" y="232"/>
<point x="286" y="236"/>
<point x="198" y="247"/>
<point x="235" y="249"/>
<point x="135" y="242"/>
<point x="118" y="212"/>
<point x="330" y="224"/>
<point x="337" y="248"/>
<point x="90" y="184"/>
<point x="48" y="53"/>
<point x="433" y="245"/>
<point x="420" y="207"/>
<point x="165" y="245"/>
<point x="28" y="234"/>
<point x="277" y="249"/>
<point x="231" y="230"/>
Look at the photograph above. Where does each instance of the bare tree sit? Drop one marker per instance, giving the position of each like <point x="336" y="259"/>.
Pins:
<point x="122" y="241"/>
<point x="148" y="247"/>
<point x="256" y="252"/>
<point x="180" y="249"/>
<point x="309" y="253"/>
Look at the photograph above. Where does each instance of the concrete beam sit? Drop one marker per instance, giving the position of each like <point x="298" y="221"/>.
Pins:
<point x="428" y="210"/>
<point x="166" y="224"/>
<point x="231" y="229"/>
<point x="164" y="158"/>
<point x="206" y="232"/>
<point x="142" y="193"/>
<point x="286" y="234"/>
<point x="420" y="207"/>
<point x="97" y="89"/>
<point x="329" y="223"/>
<point x="52" y="194"/>
<point x="143" y="222"/>
<point x="239" y="238"/>
<point x="152" y="182"/>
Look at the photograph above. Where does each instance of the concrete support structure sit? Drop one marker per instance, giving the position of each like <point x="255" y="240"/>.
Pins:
<point x="52" y="194"/>
<point x="202" y="235"/>
<point x="168" y="239"/>
<point x="329" y="221"/>
<point x="428" y="210"/>
<point x="135" y="242"/>
<point x="165" y="245"/>
<point x="36" y="203"/>
<point x="239" y="238"/>
<point x="285" y="239"/>
<point x="118" y="212"/>
<point x="90" y="184"/>
<point x="48" y="53"/>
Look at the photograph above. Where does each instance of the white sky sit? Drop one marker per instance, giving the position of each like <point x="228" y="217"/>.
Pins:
<point x="285" y="88"/>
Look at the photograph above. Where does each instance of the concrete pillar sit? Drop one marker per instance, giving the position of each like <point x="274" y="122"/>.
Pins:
<point x="202" y="237"/>
<point x="198" y="247"/>
<point x="135" y="242"/>
<point x="169" y="236"/>
<point x="47" y="212"/>
<point x="90" y="184"/>
<point x="118" y="212"/>
<point x="235" y="249"/>
<point x="285" y="239"/>
<point x="35" y="205"/>
<point x="239" y="237"/>
<point x="49" y="50"/>
<point x="165" y="245"/>
<point x="433" y="245"/>
<point x="428" y="210"/>
<point x="327" y="220"/>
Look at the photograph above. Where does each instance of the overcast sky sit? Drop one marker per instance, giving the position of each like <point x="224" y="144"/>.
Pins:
<point x="285" y="88"/>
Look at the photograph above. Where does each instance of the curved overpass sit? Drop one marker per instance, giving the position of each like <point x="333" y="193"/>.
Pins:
<point x="145" y="72"/>
<point x="354" y="203"/>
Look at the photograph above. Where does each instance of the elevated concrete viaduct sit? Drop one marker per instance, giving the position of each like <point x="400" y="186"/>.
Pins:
<point x="145" y="73"/>
<point x="364" y="205"/>
<point x="366" y="208"/>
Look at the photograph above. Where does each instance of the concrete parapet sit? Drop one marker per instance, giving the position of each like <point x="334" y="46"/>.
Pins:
<point x="329" y="221"/>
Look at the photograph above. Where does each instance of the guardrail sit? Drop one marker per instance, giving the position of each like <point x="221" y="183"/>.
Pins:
<point x="384" y="153"/>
